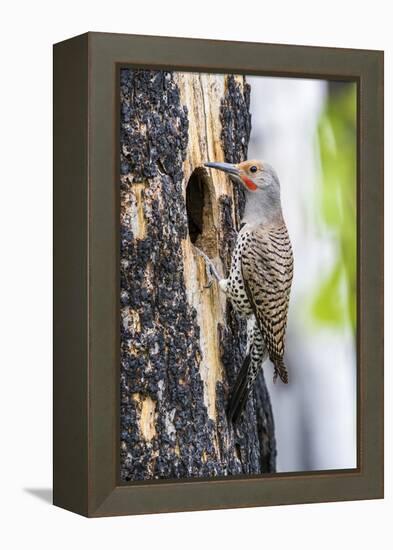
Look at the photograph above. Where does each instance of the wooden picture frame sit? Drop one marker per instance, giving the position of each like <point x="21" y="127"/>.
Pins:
<point x="86" y="274"/>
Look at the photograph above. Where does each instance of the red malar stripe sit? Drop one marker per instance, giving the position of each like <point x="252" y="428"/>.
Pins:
<point x="250" y="184"/>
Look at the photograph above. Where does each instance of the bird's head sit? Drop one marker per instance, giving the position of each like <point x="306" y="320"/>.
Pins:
<point x="254" y="175"/>
<point x="261" y="183"/>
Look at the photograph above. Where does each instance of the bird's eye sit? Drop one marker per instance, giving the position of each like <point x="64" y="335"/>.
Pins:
<point x="253" y="169"/>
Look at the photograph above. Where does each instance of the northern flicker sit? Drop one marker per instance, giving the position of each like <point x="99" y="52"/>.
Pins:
<point x="260" y="276"/>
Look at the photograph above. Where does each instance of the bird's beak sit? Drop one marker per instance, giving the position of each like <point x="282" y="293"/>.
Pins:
<point x="230" y="169"/>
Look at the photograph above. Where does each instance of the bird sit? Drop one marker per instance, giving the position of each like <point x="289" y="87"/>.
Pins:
<point x="260" y="277"/>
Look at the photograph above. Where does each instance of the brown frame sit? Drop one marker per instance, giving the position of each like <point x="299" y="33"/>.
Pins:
<point x="86" y="282"/>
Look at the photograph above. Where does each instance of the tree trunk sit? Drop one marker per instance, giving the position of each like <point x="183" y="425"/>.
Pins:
<point x="182" y="343"/>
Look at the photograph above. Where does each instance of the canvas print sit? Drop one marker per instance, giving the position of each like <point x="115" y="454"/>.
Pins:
<point x="237" y="275"/>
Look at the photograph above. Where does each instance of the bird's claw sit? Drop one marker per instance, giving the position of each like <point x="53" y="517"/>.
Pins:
<point x="211" y="270"/>
<point x="208" y="276"/>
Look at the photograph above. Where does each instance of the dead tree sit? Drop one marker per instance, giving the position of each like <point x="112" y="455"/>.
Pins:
<point x="182" y="343"/>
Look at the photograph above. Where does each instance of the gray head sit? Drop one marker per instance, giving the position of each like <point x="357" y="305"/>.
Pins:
<point x="259" y="179"/>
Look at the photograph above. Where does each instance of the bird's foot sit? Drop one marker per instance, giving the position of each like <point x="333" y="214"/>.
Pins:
<point x="211" y="270"/>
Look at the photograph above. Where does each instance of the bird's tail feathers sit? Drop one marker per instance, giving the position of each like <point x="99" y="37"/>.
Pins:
<point x="280" y="370"/>
<point x="239" y="392"/>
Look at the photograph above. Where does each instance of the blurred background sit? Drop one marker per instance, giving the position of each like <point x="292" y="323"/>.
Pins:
<point x="307" y="130"/>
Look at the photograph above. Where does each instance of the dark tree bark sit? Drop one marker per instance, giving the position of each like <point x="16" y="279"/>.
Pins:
<point x="181" y="343"/>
